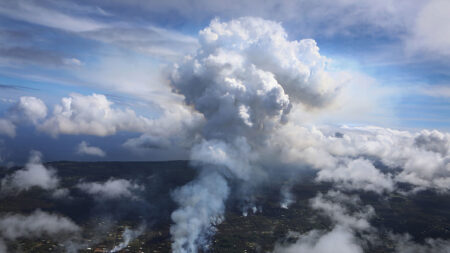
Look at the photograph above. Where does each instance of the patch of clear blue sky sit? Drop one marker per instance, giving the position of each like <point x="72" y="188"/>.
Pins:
<point x="378" y="58"/>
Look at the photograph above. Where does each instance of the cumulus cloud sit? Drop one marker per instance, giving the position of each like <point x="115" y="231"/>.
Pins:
<point x="84" y="149"/>
<point x="111" y="189"/>
<point x="92" y="115"/>
<point x="29" y="109"/>
<point x="26" y="109"/>
<point x="433" y="141"/>
<point x="7" y="128"/>
<point x="417" y="158"/>
<point x="96" y="115"/>
<point x="34" y="174"/>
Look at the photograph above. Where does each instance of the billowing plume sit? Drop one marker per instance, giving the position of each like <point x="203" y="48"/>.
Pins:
<point x="244" y="80"/>
<point x="246" y="75"/>
<point x="201" y="207"/>
<point x="128" y="236"/>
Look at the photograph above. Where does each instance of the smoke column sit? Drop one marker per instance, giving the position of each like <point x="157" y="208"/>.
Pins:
<point x="128" y="235"/>
<point x="244" y="80"/>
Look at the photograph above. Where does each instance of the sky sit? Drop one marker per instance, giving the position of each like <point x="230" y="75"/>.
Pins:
<point x="91" y="80"/>
<point x="253" y="93"/>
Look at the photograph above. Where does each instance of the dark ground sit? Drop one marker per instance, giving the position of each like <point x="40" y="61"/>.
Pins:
<point x="423" y="215"/>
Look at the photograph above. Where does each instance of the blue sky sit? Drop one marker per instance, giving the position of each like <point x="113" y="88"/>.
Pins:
<point x="399" y="50"/>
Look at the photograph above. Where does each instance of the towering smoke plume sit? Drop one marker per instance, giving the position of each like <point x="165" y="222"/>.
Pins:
<point x="244" y="79"/>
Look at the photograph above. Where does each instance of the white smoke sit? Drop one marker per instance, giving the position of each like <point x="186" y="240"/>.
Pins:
<point x="342" y="236"/>
<point x="287" y="198"/>
<point x="128" y="236"/>
<point x="201" y="207"/>
<point x="244" y="79"/>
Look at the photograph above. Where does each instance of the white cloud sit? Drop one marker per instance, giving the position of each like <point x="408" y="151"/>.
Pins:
<point x="26" y="109"/>
<point x="7" y="128"/>
<point x="92" y="114"/>
<point x="84" y="149"/>
<point x="37" y="224"/>
<point x="96" y="115"/>
<point x="72" y="61"/>
<point x="39" y="14"/>
<point x="429" y="33"/>
<point x="440" y="91"/>
<point x="405" y="244"/>
<point x="111" y="189"/>
<point x="421" y="157"/>
<point x="29" y="109"/>
<point x="35" y="174"/>
<point x="357" y="174"/>
<point x="151" y="40"/>
<point x="340" y="238"/>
